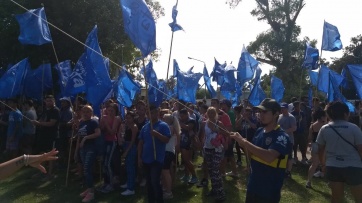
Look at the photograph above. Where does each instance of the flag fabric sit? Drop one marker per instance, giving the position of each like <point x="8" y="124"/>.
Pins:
<point x="218" y="73"/>
<point x="76" y="80"/>
<point x="345" y="83"/>
<point x="106" y="63"/>
<point x="277" y="89"/>
<point x="139" y="25"/>
<point x="207" y="81"/>
<point x="176" y="68"/>
<point x="12" y="82"/>
<point x="37" y="81"/>
<point x="187" y="85"/>
<point x="229" y="79"/>
<point x="98" y="82"/>
<point x="311" y="56"/>
<point x="246" y="67"/>
<point x="34" y="27"/>
<point x="335" y="94"/>
<point x="356" y="74"/>
<point x="323" y="79"/>
<point x="155" y="97"/>
<point x="127" y="89"/>
<point x="237" y="94"/>
<point x="313" y="76"/>
<point x="257" y="94"/>
<point x="174" y="26"/>
<point x="64" y="70"/>
<point x="331" y="40"/>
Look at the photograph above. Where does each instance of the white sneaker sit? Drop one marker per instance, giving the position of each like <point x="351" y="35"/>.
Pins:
<point x="128" y="192"/>
<point x="124" y="186"/>
<point x="319" y="174"/>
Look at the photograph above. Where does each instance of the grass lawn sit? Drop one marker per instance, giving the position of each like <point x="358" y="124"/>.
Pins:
<point x="21" y="188"/>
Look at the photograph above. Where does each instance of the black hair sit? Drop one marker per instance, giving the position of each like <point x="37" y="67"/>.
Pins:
<point x="356" y="103"/>
<point x="319" y="114"/>
<point x="337" y="110"/>
<point x="238" y="109"/>
<point x="294" y="99"/>
<point x="204" y="106"/>
<point x="216" y="100"/>
<point x="183" y="111"/>
<point x="49" y="97"/>
<point x="29" y="102"/>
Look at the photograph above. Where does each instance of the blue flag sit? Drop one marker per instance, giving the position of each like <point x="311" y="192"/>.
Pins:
<point x="174" y="26"/>
<point x="313" y="76"/>
<point x="155" y="96"/>
<point x="246" y="67"/>
<point x="12" y="82"/>
<point x="237" y="94"/>
<point x="187" y="85"/>
<point x="323" y="79"/>
<point x="139" y="25"/>
<point x="345" y="84"/>
<point x="218" y="73"/>
<point x="207" y="81"/>
<point x="106" y="63"/>
<point x="37" y="81"/>
<point x="176" y="68"/>
<point x="335" y="94"/>
<point x="311" y="56"/>
<point x="356" y="74"/>
<point x="76" y="81"/>
<point x="277" y="89"/>
<point x="34" y="27"/>
<point x="127" y="89"/>
<point x="257" y="94"/>
<point x="229" y="79"/>
<point x="331" y="40"/>
<point x="98" y="82"/>
<point x="64" y="70"/>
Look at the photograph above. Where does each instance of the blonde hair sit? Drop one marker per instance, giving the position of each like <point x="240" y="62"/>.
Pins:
<point x="172" y="122"/>
<point x="211" y="110"/>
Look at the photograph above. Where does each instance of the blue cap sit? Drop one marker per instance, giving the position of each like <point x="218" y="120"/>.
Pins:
<point x="284" y="105"/>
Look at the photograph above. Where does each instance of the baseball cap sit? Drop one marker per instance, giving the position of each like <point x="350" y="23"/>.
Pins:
<point x="65" y="99"/>
<point x="226" y="102"/>
<point x="284" y="105"/>
<point x="269" y="105"/>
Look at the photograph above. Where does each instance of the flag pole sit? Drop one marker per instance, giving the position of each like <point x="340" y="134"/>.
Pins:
<point x="169" y="56"/>
<point x="42" y="86"/>
<point x="148" y="109"/>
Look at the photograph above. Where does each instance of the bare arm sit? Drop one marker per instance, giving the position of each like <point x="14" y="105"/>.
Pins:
<point x="50" y="123"/>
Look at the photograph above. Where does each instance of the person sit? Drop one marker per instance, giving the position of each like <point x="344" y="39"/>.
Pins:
<point x="88" y="131"/>
<point x="109" y="125"/>
<point x="130" y="135"/>
<point x="47" y="130"/>
<point x="300" y="138"/>
<point x="151" y="153"/>
<point x="65" y="131"/>
<point x="172" y="147"/>
<point x="312" y="138"/>
<point x="28" y="128"/>
<point x="340" y="151"/>
<point x="10" y="167"/>
<point x="269" y="154"/>
<point x="15" y="129"/>
<point x="188" y="131"/>
<point x="140" y="121"/>
<point x="214" y="133"/>
<point x="288" y="123"/>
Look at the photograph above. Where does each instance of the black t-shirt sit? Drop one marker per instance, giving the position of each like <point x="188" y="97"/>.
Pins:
<point x="87" y="127"/>
<point x="47" y="115"/>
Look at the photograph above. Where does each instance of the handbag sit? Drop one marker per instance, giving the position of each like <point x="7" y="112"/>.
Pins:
<point x="354" y="146"/>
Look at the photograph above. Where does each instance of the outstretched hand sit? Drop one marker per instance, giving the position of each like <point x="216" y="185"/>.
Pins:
<point x="36" y="160"/>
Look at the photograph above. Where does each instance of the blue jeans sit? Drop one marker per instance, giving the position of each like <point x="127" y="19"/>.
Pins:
<point x="153" y="177"/>
<point x="110" y="147"/>
<point x="88" y="155"/>
<point x="131" y="166"/>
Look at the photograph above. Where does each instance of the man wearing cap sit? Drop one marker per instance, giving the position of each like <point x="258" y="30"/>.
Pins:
<point x="269" y="153"/>
<point x="288" y="123"/>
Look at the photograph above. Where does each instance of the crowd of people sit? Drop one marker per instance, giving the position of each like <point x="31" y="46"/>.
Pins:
<point x="151" y="142"/>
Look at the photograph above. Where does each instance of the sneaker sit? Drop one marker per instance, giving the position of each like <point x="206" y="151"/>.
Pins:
<point x="319" y="174"/>
<point x="203" y="183"/>
<point x="107" y="189"/>
<point x="143" y="183"/>
<point x="128" y="192"/>
<point x="231" y="174"/>
<point x="89" y="197"/>
<point x="185" y="178"/>
<point x="124" y="186"/>
<point x="83" y="194"/>
<point x="167" y="195"/>
<point x="308" y="185"/>
<point x="193" y="180"/>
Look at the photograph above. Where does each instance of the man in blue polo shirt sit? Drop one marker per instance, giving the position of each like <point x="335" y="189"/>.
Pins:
<point x="269" y="154"/>
<point x="151" y="153"/>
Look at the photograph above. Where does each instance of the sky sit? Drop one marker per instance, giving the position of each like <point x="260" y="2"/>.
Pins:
<point x="213" y="29"/>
